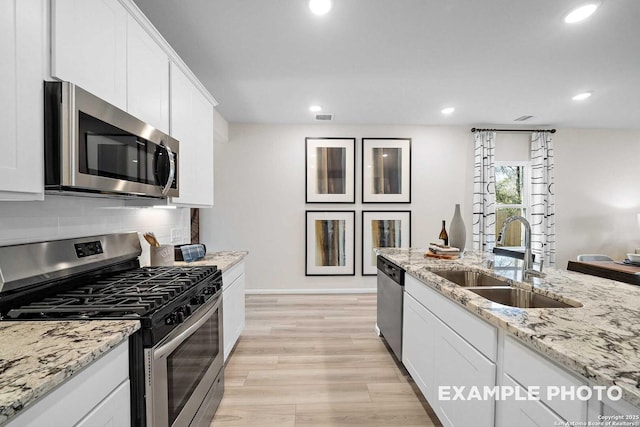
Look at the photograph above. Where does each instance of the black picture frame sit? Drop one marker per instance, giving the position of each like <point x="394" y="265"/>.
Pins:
<point x="386" y="170"/>
<point x="337" y="228"/>
<point x="403" y="233"/>
<point x="336" y="157"/>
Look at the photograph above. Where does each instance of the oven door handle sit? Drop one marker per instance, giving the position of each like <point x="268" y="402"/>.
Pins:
<point x="174" y="343"/>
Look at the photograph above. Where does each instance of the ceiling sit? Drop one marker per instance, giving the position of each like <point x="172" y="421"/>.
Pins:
<point x="402" y="61"/>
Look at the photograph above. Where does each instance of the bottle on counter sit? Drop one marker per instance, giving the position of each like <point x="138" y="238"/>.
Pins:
<point x="443" y="234"/>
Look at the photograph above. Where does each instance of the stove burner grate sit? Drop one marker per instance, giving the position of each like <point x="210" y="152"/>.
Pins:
<point x="134" y="293"/>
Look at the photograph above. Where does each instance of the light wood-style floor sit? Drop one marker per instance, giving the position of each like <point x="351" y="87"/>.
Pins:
<point x="315" y="360"/>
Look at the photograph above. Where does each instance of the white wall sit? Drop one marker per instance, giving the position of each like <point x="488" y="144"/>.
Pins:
<point x="260" y="196"/>
<point x="59" y="217"/>
<point x="597" y="192"/>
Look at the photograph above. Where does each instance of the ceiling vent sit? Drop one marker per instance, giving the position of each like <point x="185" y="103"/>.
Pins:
<point x="522" y="118"/>
<point x="324" y="117"/>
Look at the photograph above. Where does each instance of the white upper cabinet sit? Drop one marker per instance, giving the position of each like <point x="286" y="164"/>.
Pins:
<point x="89" y="47"/>
<point x="22" y="49"/>
<point x="147" y="78"/>
<point x="192" y="125"/>
<point x="107" y="48"/>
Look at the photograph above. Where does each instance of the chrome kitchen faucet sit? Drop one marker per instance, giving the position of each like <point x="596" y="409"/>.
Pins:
<point x="527" y="266"/>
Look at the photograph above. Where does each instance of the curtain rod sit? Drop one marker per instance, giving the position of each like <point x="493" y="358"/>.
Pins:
<point x="514" y="130"/>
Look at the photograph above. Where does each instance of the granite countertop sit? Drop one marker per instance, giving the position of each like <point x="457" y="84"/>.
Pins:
<point x="599" y="341"/>
<point x="36" y="357"/>
<point x="224" y="260"/>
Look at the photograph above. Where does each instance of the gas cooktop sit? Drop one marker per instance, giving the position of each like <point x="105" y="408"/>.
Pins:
<point x="131" y="294"/>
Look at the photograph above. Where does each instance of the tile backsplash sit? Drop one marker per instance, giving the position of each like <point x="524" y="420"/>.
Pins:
<point x="60" y="217"/>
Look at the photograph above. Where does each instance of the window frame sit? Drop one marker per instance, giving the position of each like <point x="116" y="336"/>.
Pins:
<point x="526" y="188"/>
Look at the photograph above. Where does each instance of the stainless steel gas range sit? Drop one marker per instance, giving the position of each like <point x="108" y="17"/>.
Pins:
<point x="176" y="359"/>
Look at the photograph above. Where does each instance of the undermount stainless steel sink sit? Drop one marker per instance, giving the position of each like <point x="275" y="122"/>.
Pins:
<point x="522" y="298"/>
<point x="468" y="278"/>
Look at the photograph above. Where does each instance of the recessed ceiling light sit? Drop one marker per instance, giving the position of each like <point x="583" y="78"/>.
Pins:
<point x="320" y="7"/>
<point x="581" y="96"/>
<point x="448" y="110"/>
<point x="315" y="108"/>
<point x="581" y="13"/>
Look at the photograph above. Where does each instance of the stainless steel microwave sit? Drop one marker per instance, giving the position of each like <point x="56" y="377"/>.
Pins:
<point x="93" y="147"/>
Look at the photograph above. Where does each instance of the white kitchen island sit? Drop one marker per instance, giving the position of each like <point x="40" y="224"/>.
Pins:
<point x="453" y="337"/>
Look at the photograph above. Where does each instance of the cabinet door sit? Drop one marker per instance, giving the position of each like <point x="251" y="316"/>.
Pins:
<point x="233" y="314"/>
<point x="89" y="47"/>
<point x="524" y="413"/>
<point x="147" y="78"/>
<point x="192" y="125"/>
<point x="418" y="336"/>
<point x="458" y="363"/>
<point x="22" y="48"/>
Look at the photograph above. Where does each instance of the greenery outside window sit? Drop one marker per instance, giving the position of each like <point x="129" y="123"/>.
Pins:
<point x="512" y="199"/>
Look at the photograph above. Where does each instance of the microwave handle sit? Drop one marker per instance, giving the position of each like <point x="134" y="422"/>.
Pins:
<point x="172" y="170"/>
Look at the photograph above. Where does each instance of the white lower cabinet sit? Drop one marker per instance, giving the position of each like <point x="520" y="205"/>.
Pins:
<point x="96" y="396"/>
<point x="439" y="359"/>
<point x="530" y="369"/>
<point x="418" y="339"/>
<point x="443" y="344"/>
<point x="524" y="413"/>
<point x="115" y="410"/>
<point x="233" y="310"/>
<point x="459" y="364"/>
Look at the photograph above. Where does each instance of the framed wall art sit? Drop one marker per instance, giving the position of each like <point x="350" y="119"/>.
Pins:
<point x="330" y="243"/>
<point x="386" y="170"/>
<point x="330" y="170"/>
<point x="383" y="229"/>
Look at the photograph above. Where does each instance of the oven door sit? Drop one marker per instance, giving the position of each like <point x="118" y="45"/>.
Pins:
<point x="182" y="369"/>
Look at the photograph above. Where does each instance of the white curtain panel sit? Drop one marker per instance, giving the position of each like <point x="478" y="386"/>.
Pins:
<point x="543" y="223"/>
<point x="484" y="192"/>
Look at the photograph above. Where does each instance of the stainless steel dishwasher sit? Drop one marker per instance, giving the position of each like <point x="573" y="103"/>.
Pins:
<point x="390" y="305"/>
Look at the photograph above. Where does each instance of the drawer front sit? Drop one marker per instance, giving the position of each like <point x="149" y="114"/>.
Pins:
<point x="230" y="276"/>
<point x="530" y="368"/>
<point x="472" y="328"/>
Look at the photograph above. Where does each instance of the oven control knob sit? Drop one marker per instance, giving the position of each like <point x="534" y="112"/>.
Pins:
<point x="187" y="310"/>
<point x="194" y="301"/>
<point x="179" y="317"/>
<point x="170" y="319"/>
<point x="202" y="299"/>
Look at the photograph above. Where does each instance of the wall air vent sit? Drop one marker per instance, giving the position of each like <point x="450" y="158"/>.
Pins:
<point x="522" y="118"/>
<point x="324" y="117"/>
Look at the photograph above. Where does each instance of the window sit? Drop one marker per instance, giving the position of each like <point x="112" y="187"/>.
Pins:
<point x="512" y="199"/>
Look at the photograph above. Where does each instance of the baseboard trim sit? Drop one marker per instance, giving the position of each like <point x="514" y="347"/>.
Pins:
<point x="311" y="291"/>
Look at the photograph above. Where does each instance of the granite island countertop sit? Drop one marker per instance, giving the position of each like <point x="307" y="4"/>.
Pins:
<point x="599" y="341"/>
<point x="224" y="260"/>
<point x="38" y="356"/>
